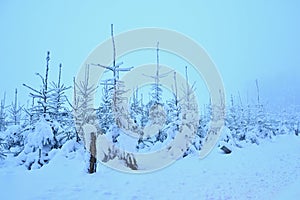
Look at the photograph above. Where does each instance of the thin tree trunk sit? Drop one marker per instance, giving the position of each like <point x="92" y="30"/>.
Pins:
<point x="257" y="88"/>
<point x="46" y="84"/>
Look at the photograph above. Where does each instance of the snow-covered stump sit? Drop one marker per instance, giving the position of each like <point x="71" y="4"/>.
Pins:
<point x="90" y="138"/>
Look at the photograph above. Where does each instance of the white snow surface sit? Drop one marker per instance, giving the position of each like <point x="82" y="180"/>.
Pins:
<point x="270" y="170"/>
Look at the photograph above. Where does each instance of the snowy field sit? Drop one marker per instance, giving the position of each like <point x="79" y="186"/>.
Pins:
<point x="268" y="171"/>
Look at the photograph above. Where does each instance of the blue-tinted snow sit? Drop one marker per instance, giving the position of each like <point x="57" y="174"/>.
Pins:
<point x="270" y="170"/>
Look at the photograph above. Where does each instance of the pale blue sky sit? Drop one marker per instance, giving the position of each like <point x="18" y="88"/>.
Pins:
<point x="246" y="40"/>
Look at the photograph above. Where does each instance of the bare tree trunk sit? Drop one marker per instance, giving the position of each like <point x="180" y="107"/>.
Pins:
<point x="257" y="88"/>
<point x="93" y="160"/>
<point x="175" y="90"/>
<point x="157" y="73"/>
<point x="75" y="107"/>
<point x="46" y="84"/>
<point x="115" y="73"/>
<point x="15" y="107"/>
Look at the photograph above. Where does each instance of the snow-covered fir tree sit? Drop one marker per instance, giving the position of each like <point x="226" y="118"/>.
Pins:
<point x="15" y="111"/>
<point x="3" y="114"/>
<point x="85" y="115"/>
<point x="156" y="109"/>
<point x="46" y="129"/>
<point x="137" y="109"/>
<point x="104" y="112"/>
<point x="61" y="116"/>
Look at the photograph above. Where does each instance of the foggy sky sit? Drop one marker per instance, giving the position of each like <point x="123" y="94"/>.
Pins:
<point x="246" y="40"/>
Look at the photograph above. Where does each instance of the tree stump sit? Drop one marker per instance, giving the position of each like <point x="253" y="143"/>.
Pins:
<point x="225" y="150"/>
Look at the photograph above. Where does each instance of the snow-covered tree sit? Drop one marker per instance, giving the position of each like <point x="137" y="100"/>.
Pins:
<point x="156" y="93"/>
<point x="156" y="110"/>
<point x="86" y="92"/>
<point x="137" y="109"/>
<point x="39" y="141"/>
<point x="43" y="94"/>
<point x="104" y="112"/>
<point x="84" y="114"/>
<point x="202" y="129"/>
<point x="235" y="119"/>
<point x="13" y="138"/>
<point x="58" y="100"/>
<point x="48" y="125"/>
<point x="119" y="103"/>
<point x="173" y="107"/>
<point x="15" y="111"/>
<point x="189" y="115"/>
<point x="61" y="116"/>
<point x="50" y="103"/>
<point x="3" y="114"/>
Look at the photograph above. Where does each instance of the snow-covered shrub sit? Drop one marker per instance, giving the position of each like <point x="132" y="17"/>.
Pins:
<point x="202" y="130"/>
<point x="13" y="138"/>
<point x="238" y="120"/>
<point x="39" y="141"/>
<point x="227" y="138"/>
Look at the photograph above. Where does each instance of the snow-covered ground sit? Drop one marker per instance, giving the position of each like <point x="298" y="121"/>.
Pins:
<point x="268" y="171"/>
